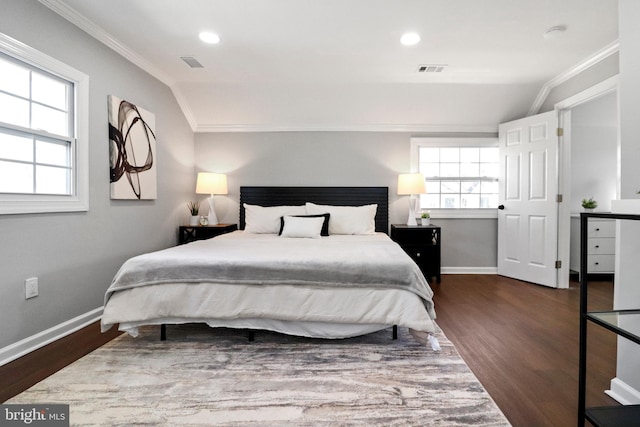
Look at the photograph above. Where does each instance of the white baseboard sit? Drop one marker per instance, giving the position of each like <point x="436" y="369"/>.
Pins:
<point x="623" y="393"/>
<point x="469" y="270"/>
<point x="34" y="342"/>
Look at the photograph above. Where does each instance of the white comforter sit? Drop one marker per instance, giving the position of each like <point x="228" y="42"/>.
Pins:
<point x="241" y="279"/>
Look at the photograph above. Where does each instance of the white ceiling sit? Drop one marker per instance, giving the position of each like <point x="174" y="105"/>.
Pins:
<point x="331" y="64"/>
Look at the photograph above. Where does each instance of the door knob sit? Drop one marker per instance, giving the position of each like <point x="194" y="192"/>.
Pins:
<point x="501" y="207"/>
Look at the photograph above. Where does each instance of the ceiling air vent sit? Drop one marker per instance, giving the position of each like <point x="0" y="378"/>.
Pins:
<point x="431" y="68"/>
<point x="191" y="61"/>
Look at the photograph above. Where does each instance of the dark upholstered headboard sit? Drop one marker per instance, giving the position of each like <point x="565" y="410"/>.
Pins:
<point x="338" y="196"/>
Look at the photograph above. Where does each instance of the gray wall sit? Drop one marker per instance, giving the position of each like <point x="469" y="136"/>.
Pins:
<point x="340" y="159"/>
<point x="594" y="152"/>
<point x="594" y="161"/>
<point x="75" y="255"/>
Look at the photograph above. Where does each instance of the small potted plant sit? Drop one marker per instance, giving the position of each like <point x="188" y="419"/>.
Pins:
<point x="425" y="218"/>
<point x="194" y="208"/>
<point x="589" y="204"/>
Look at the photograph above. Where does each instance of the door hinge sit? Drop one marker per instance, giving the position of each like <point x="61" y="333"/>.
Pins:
<point x="560" y="131"/>
<point x="559" y="198"/>
<point x="558" y="264"/>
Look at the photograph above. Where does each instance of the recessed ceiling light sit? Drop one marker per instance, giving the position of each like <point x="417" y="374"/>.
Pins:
<point x="209" y="37"/>
<point x="410" y="39"/>
<point x="554" y="32"/>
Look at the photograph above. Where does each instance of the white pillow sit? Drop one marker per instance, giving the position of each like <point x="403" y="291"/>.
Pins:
<point x="266" y="220"/>
<point x="295" y="226"/>
<point x="347" y="219"/>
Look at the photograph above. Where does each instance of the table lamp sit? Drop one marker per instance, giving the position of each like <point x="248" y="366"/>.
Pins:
<point x="211" y="183"/>
<point x="411" y="184"/>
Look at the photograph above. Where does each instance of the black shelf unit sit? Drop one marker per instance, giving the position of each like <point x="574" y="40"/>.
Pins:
<point x="604" y="416"/>
<point x="191" y="233"/>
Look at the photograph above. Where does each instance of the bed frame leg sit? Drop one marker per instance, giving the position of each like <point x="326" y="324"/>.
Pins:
<point x="252" y="336"/>
<point x="163" y="332"/>
<point x="395" y="332"/>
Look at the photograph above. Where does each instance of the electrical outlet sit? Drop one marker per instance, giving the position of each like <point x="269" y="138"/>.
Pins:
<point x="31" y="287"/>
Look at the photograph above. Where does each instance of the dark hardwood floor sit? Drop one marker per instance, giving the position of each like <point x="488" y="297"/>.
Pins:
<point x="520" y="340"/>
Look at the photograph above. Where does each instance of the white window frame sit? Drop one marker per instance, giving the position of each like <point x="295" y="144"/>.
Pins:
<point x="78" y="200"/>
<point x="418" y="142"/>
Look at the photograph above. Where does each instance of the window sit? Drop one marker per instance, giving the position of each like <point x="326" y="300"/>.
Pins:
<point x="43" y="155"/>
<point x="460" y="173"/>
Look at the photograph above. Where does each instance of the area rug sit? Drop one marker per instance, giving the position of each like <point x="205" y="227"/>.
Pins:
<point x="216" y="377"/>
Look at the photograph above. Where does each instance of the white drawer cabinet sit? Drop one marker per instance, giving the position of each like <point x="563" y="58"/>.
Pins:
<point x="601" y="245"/>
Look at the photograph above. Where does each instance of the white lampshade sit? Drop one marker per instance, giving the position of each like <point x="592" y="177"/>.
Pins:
<point x="411" y="183"/>
<point x="211" y="183"/>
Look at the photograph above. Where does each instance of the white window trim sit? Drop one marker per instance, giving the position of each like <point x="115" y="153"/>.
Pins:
<point x="79" y="198"/>
<point x="418" y="142"/>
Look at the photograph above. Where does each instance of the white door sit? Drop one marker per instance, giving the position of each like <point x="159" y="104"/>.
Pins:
<point x="528" y="213"/>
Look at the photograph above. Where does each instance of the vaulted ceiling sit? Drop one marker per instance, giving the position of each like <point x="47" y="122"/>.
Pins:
<point x="339" y="64"/>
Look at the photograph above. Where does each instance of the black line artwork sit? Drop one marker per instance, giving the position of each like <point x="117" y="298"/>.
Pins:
<point x="131" y="137"/>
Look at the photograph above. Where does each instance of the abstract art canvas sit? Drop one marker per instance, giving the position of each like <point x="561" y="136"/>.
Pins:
<point x="132" y="151"/>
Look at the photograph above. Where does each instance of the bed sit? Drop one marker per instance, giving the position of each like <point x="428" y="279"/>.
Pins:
<point x="346" y="278"/>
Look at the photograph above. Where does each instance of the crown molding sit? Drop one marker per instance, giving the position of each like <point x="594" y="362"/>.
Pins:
<point x="412" y="128"/>
<point x="107" y="39"/>
<point x="97" y="32"/>
<point x="599" y="56"/>
<point x="184" y="106"/>
<point x="88" y="26"/>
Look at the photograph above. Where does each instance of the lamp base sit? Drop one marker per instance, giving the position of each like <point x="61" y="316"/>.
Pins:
<point x="213" y="218"/>
<point x="413" y="201"/>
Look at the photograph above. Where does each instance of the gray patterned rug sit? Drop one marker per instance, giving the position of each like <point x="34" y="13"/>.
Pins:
<point x="202" y="376"/>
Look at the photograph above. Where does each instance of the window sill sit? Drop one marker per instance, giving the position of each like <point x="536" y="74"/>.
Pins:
<point x="464" y="213"/>
<point x="41" y="204"/>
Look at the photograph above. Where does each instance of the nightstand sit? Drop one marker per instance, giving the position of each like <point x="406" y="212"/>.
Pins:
<point x="190" y="233"/>
<point x="422" y="244"/>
